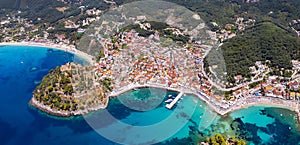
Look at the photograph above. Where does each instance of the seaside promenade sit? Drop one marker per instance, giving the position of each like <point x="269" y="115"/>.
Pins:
<point x="245" y="102"/>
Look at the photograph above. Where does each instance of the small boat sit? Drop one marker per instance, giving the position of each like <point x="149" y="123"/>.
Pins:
<point x="170" y="96"/>
<point x="33" y="69"/>
<point x="169" y="100"/>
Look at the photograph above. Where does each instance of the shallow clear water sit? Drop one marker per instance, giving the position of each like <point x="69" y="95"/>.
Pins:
<point x="136" y="117"/>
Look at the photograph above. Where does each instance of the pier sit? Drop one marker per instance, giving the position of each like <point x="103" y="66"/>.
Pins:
<point x="170" y="106"/>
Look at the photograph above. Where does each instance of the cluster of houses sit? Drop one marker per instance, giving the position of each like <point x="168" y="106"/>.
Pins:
<point x="143" y="60"/>
<point x="16" y="28"/>
<point x="148" y="67"/>
<point x="293" y="24"/>
<point x="258" y="68"/>
<point x="230" y="30"/>
<point x="272" y="88"/>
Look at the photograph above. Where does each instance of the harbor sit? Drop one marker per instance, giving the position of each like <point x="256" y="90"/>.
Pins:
<point x="170" y="106"/>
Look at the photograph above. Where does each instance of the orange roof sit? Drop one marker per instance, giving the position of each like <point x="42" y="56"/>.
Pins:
<point x="238" y="77"/>
<point x="256" y="87"/>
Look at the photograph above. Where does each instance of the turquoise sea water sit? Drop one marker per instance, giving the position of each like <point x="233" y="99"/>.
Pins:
<point x="136" y="117"/>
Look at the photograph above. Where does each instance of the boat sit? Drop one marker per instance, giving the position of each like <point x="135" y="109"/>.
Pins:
<point x="33" y="69"/>
<point x="169" y="100"/>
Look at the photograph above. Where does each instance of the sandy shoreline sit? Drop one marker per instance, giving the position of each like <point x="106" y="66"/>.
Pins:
<point x="66" y="48"/>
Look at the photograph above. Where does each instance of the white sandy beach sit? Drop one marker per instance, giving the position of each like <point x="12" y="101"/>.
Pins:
<point x="67" y="48"/>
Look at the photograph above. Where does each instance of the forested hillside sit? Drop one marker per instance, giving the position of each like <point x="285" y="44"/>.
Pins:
<point x="265" y="41"/>
<point x="226" y="11"/>
<point x="48" y="9"/>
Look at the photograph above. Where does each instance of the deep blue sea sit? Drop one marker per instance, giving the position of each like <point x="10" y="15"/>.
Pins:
<point x="136" y="117"/>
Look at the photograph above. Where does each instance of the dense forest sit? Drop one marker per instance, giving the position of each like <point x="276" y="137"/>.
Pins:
<point x="47" y="9"/>
<point x="265" y="41"/>
<point x="226" y="11"/>
<point x="56" y="90"/>
<point x="220" y="11"/>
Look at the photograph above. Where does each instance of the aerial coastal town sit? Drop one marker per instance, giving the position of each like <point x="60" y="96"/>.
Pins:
<point x="180" y="68"/>
<point x="148" y="63"/>
<point x="131" y="61"/>
<point x="161" y="72"/>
